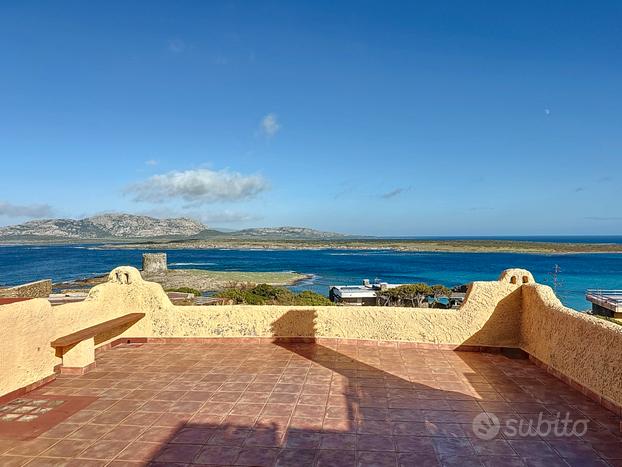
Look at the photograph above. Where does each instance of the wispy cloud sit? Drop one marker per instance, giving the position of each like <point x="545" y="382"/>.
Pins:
<point x="198" y="186"/>
<point x="345" y="188"/>
<point x="228" y="217"/>
<point x="151" y="162"/>
<point x="176" y="46"/>
<point x="269" y="125"/>
<point x="343" y="193"/>
<point x="31" y="211"/>
<point x="393" y="193"/>
<point x="207" y="217"/>
<point x="579" y="189"/>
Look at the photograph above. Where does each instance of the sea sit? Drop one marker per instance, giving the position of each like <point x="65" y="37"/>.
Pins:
<point x="576" y="272"/>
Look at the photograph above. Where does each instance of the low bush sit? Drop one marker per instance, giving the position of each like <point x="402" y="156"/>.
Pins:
<point x="264" y="294"/>
<point x="309" y="298"/>
<point x="195" y="292"/>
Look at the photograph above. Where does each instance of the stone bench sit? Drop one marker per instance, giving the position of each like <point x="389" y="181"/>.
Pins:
<point x="78" y="348"/>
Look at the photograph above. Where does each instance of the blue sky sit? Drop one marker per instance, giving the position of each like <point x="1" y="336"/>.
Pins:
<point x="436" y="118"/>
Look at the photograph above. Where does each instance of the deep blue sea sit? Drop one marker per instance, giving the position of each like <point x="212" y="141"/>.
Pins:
<point x="579" y="272"/>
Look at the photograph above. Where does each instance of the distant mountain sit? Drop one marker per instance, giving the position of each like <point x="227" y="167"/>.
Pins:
<point x="286" y="233"/>
<point x="106" y="226"/>
<point x="120" y="227"/>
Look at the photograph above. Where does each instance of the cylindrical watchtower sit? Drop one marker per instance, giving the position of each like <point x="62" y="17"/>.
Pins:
<point x="154" y="262"/>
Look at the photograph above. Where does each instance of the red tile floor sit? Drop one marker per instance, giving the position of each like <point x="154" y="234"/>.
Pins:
<point x="307" y="404"/>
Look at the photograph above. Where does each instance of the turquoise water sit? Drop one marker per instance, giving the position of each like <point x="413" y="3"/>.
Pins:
<point x="20" y="264"/>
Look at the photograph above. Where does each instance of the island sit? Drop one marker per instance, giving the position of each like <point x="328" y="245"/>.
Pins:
<point x="413" y="245"/>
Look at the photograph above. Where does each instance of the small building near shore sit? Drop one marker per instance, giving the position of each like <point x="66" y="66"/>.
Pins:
<point x="353" y="295"/>
<point x="605" y="302"/>
<point x="364" y="294"/>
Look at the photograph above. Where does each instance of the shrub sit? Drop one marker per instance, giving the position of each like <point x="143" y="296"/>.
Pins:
<point x="264" y="294"/>
<point x="195" y="292"/>
<point x="277" y="295"/>
<point x="240" y="296"/>
<point x="308" y="298"/>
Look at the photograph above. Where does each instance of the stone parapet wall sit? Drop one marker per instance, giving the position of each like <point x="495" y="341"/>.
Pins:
<point x="38" y="289"/>
<point x="585" y="349"/>
<point x="27" y="328"/>
<point x="512" y="312"/>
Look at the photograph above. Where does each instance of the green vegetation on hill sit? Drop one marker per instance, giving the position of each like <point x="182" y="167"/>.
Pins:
<point x="264" y="294"/>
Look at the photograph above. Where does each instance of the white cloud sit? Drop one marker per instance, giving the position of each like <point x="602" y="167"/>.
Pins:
<point x="198" y="186"/>
<point x="393" y="193"/>
<point x="151" y="162"/>
<point x="176" y="46"/>
<point x="207" y="217"/>
<point x="227" y="217"/>
<point x="32" y="211"/>
<point x="269" y="125"/>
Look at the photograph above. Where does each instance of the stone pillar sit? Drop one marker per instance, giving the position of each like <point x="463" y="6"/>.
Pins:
<point x="154" y="262"/>
<point x="79" y="358"/>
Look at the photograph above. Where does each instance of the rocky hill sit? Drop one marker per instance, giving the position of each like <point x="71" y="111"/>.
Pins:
<point x="120" y="227"/>
<point x="107" y="226"/>
<point x="285" y="233"/>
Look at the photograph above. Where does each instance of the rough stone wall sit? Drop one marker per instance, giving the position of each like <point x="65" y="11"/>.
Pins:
<point x="473" y="323"/>
<point x="27" y="328"/>
<point x="489" y="316"/>
<point x="154" y="262"/>
<point x="38" y="289"/>
<point x="586" y="349"/>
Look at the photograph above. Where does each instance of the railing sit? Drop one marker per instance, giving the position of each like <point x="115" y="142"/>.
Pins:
<point x="610" y="296"/>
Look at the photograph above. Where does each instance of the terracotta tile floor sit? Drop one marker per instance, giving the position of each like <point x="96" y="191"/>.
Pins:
<point x="298" y="405"/>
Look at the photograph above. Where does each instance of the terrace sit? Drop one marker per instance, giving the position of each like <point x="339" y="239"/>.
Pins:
<point x="308" y="404"/>
<point x="279" y="386"/>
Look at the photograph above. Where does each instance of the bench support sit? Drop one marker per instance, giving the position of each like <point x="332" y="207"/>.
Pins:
<point x="79" y="358"/>
<point x="78" y="348"/>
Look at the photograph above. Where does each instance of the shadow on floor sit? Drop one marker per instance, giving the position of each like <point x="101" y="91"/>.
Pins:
<point x="371" y="406"/>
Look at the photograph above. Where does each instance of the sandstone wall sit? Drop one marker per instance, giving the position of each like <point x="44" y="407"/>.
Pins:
<point x="585" y="349"/>
<point x="38" y="289"/>
<point x="26" y="329"/>
<point x="491" y="315"/>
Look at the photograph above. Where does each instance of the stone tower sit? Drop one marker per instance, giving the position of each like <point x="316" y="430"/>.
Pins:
<point x="154" y="262"/>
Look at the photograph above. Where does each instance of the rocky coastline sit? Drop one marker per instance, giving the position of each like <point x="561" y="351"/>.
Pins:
<point x="199" y="279"/>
